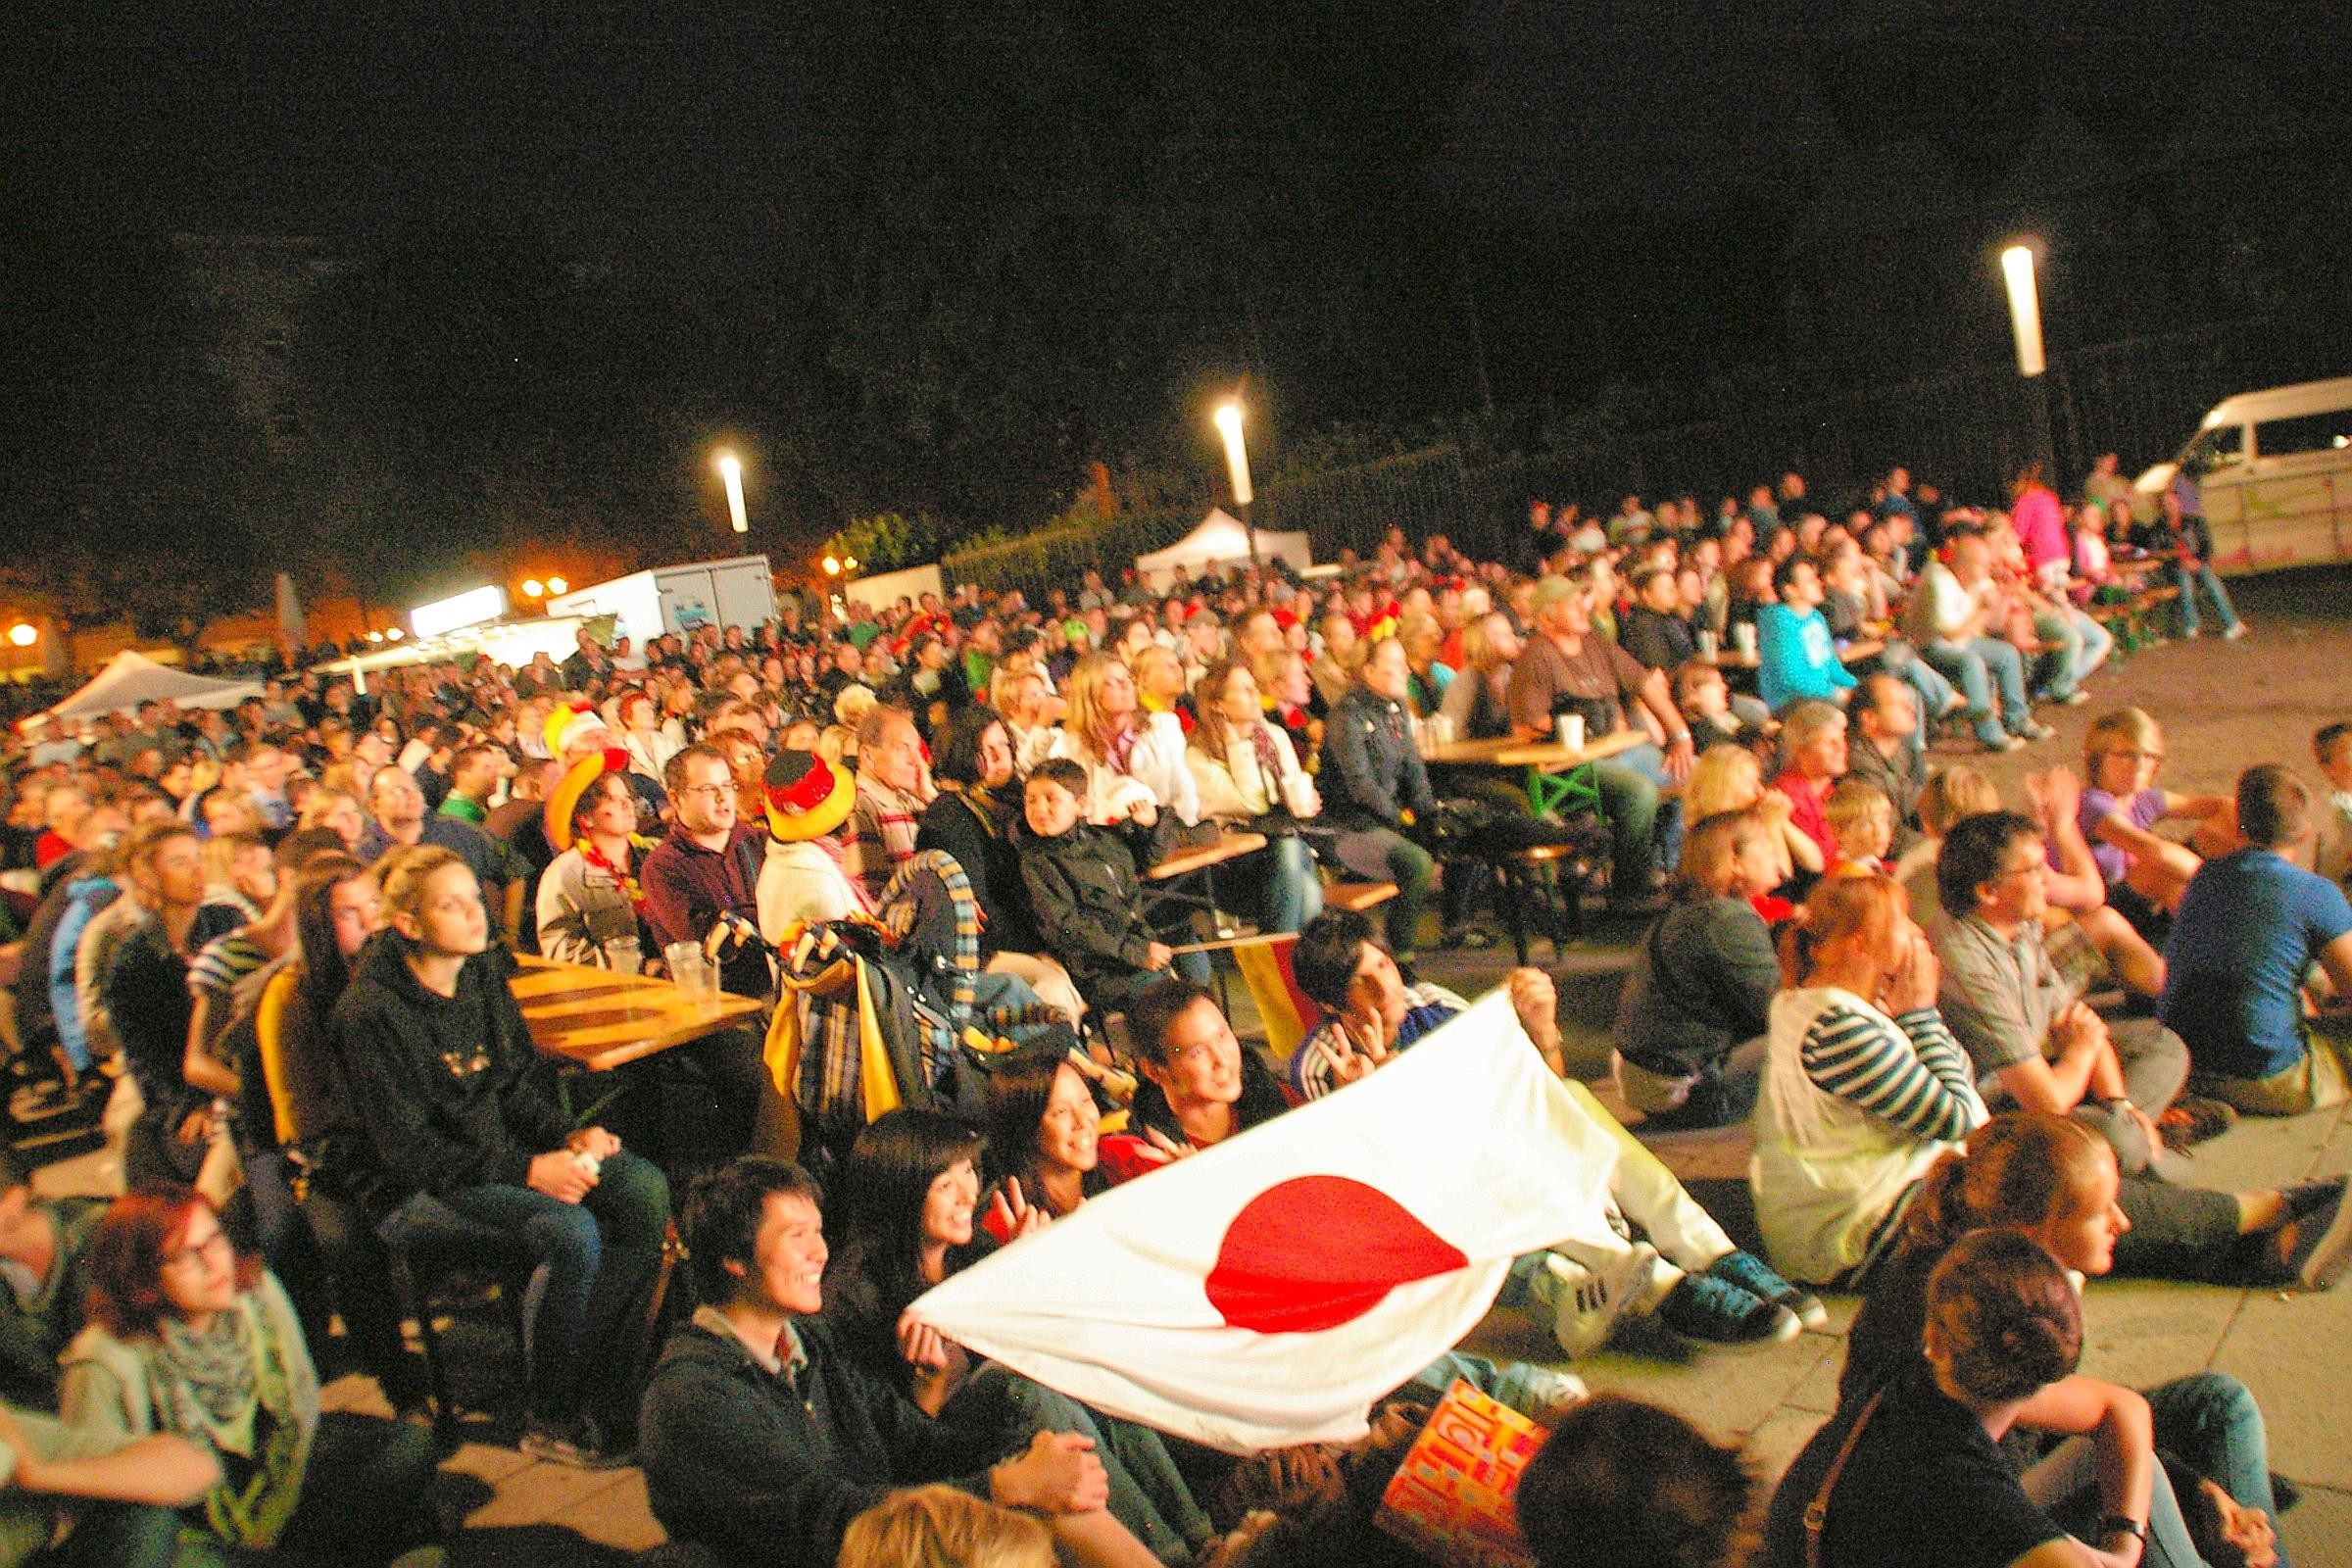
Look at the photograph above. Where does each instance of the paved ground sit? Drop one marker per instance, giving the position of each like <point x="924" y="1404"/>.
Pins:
<point x="2225" y="707"/>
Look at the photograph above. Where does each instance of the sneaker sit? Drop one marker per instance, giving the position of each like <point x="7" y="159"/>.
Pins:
<point x="2007" y="743"/>
<point x="2192" y="1120"/>
<point x="1707" y="1308"/>
<point x="2235" y="632"/>
<point x="575" y="1442"/>
<point x="2074" y="699"/>
<point x="1586" y="1304"/>
<point x="1750" y="1273"/>
<point x="2033" y="730"/>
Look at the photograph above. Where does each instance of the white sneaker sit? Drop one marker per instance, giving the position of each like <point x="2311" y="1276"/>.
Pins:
<point x="1585" y="1304"/>
<point x="2235" y="632"/>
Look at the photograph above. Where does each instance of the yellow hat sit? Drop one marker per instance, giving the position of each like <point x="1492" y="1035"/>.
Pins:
<point x="807" y="797"/>
<point x="565" y="799"/>
<point x="568" y="721"/>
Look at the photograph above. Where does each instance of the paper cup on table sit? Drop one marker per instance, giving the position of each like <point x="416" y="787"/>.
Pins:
<point x="1439" y="731"/>
<point x="1569" y="730"/>
<point x="1707" y="643"/>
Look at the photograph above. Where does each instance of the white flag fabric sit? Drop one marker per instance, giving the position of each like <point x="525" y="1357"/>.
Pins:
<point x="1266" y="1291"/>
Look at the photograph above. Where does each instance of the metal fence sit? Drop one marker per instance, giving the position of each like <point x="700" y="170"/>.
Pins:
<point x="1968" y="427"/>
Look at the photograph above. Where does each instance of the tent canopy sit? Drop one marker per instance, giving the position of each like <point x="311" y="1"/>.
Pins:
<point x="130" y="678"/>
<point x="1218" y="540"/>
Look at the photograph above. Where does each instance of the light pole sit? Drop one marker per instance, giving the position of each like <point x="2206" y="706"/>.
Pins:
<point x="730" y="468"/>
<point x="2025" y="327"/>
<point x="1236" y="468"/>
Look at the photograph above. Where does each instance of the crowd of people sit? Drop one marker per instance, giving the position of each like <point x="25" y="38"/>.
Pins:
<point x="278" y="944"/>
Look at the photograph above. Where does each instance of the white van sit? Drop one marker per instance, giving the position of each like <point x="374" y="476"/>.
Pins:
<point x="2277" y="472"/>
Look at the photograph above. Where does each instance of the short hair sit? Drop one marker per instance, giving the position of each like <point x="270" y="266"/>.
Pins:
<point x="2127" y="729"/>
<point x="721" y="1218"/>
<point x="1154" y="1012"/>
<point x="940" y="1527"/>
<point x="1711" y="852"/>
<point x="1972" y="850"/>
<point x="2274" y="806"/>
<point x="673" y="771"/>
<point x="1325" y="957"/>
<point x="879" y="718"/>
<point x="1643" y="577"/>
<point x="149" y="837"/>
<point x="1858" y="803"/>
<point x="1807" y="721"/>
<point x="1786" y="572"/>
<point x="1690" y="675"/>
<point x="1066" y="771"/>
<point x="1953" y="795"/>
<point x="2329" y="740"/>
<point x="475" y="753"/>
<point x="1620" y="1484"/>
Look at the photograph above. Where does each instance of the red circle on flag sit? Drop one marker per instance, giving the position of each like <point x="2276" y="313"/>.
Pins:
<point x="1316" y="1252"/>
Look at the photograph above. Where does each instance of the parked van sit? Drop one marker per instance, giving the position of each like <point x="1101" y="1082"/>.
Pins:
<point x="2276" y="468"/>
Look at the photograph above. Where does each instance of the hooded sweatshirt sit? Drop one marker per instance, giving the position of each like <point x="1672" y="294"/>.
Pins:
<point x="450" y="1088"/>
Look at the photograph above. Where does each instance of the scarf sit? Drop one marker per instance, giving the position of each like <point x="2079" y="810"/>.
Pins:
<point x="623" y="878"/>
<point x="839" y="855"/>
<point x="984" y="804"/>
<point x="1119" y="755"/>
<point x="216" y="1365"/>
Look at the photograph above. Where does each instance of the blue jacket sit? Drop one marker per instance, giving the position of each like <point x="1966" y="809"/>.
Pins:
<point x="1797" y="657"/>
<point x="84" y="898"/>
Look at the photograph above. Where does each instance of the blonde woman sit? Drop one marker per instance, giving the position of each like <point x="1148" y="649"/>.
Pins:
<point x="1728" y="778"/>
<point x="1477" y="698"/>
<point x="1133" y="763"/>
<point x="1159" y="681"/>
<point x="2121" y="809"/>
<point x="1248" y="777"/>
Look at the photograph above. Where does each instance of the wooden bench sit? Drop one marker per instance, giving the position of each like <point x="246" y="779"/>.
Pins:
<point x="2128" y="618"/>
<point x="1358" y="896"/>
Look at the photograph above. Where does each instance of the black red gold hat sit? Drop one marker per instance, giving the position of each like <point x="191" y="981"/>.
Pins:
<point x="807" y="797"/>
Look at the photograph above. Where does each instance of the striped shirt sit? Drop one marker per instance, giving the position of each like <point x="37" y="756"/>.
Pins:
<point x="1919" y="1079"/>
<point x="1309" y="1074"/>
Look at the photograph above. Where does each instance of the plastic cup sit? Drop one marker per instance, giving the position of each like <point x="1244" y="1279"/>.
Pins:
<point x="623" y="956"/>
<point x="1569" y="730"/>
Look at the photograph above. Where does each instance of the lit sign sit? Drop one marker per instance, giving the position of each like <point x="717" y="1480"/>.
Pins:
<point x="468" y="608"/>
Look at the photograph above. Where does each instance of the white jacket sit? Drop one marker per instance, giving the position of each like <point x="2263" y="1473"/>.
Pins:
<point x="1156" y="763"/>
<point x="1234" y="787"/>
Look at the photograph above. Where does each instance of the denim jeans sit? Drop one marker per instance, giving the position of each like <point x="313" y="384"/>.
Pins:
<point x="1289" y="893"/>
<point x="2188" y="579"/>
<point x="1645" y="831"/>
<point x="2081" y="646"/>
<point x="601" y="1256"/>
<point x="1934" y="695"/>
<point x="2209" y="1423"/>
<point x="1149" y="1495"/>
<point x="1978" y="668"/>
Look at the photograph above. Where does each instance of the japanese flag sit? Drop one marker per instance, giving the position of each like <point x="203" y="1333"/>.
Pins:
<point x="1268" y="1290"/>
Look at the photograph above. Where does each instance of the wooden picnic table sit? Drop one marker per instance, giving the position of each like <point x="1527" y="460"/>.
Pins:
<point x="1201" y="857"/>
<point x="602" y="1019"/>
<point x="1555" y="773"/>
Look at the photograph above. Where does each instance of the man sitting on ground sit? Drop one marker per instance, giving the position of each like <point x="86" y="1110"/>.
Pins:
<point x="762" y="1438"/>
<point x="2249" y="926"/>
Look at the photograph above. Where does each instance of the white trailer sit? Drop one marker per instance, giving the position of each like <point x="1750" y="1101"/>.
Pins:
<point x="736" y="592"/>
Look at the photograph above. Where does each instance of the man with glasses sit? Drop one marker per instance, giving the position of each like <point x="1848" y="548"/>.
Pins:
<point x="2013" y="999"/>
<point x="703" y="881"/>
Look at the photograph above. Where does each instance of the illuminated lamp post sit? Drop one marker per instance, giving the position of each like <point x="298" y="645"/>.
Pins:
<point x="2025" y="327"/>
<point x="730" y="469"/>
<point x="1236" y="468"/>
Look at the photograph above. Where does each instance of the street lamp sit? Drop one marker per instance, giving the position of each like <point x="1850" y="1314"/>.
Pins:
<point x="730" y="468"/>
<point x="2025" y="326"/>
<point x="23" y="634"/>
<point x="556" y="585"/>
<point x="1237" y="466"/>
<point x="533" y="588"/>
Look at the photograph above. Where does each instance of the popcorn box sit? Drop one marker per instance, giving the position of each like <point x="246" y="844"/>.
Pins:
<point x="1451" y="1498"/>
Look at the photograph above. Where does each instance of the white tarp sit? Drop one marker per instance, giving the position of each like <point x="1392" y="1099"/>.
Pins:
<point x="1219" y="541"/>
<point x="130" y="678"/>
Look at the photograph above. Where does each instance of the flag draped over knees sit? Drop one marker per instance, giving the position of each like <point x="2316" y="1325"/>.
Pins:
<point x="1266" y="1291"/>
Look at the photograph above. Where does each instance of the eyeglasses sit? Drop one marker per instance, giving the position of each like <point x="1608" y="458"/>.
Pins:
<point x="714" y="791"/>
<point x="196" y="1253"/>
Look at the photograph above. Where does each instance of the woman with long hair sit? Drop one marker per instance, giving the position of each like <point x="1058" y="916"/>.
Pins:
<point x="901" y="1220"/>
<point x="2055" y="1180"/>
<point x="1134" y="762"/>
<point x="188" y="1337"/>
<point x="1912" y="1475"/>
<point x="1863" y="1085"/>
<point x="1248" y="779"/>
<point x="1728" y="778"/>
<point x="1044" y="1132"/>
<point x="1477" y="700"/>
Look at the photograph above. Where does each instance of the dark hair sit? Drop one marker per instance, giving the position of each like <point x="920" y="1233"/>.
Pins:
<point x="324" y="970"/>
<point x="957" y="758"/>
<point x="304" y="843"/>
<point x="2004" y="1314"/>
<point x="876" y="1223"/>
<point x="1155" y="1010"/>
<point x="1625" y="1485"/>
<point x="1972" y="850"/>
<point x="1787" y="569"/>
<point x="1019" y="1092"/>
<point x="126" y="1254"/>
<point x="1710" y="851"/>
<point x="2274" y="806"/>
<point x="673" y="771"/>
<point x="2024" y="1169"/>
<point x="721" y="1218"/>
<point x="1066" y="771"/>
<point x="13" y="1173"/>
<point x="1325" y="957"/>
<point x="2327" y="739"/>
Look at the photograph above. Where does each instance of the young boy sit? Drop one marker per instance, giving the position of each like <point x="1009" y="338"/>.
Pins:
<point x="1084" y="892"/>
<point x="2331" y="855"/>
<point x="1714" y="715"/>
<point x="1862" y="824"/>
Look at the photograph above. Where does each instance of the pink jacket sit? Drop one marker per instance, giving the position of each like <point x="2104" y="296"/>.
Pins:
<point x="2041" y="526"/>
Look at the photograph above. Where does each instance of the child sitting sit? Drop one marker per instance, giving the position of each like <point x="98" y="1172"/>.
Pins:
<point x="1085" y="894"/>
<point x="1714" y="715"/>
<point x="1861" y="824"/>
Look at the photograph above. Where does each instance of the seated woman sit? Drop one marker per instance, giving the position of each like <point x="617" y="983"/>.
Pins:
<point x="186" y="1337"/>
<point x="1730" y="778"/>
<point x="1913" y="1475"/>
<point x="464" y="1135"/>
<point x="1134" y="761"/>
<point x="1702" y="981"/>
<point x="973" y="818"/>
<point x="2055" y="1180"/>
<point x="903" y="1207"/>
<point x="2119" y="814"/>
<point x="1249" y="780"/>
<point x="1477" y="700"/>
<point x="1863" y="1086"/>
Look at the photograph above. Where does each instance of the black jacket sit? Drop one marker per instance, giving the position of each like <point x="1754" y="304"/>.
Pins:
<point x="953" y="823"/>
<point x="1087" y="901"/>
<point x="450" y="1090"/>
<point x="1371" y="774"/>
<point x="772" y="1469"/>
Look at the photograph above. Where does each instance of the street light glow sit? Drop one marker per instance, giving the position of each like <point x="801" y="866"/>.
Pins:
<point x="394" y="634"/>
<point x="533" y="588"/>
<point x="832" y="565"/>
<point x="23" y="634"/>
<point x="1236" y="456"/>
<point x="556" y="585"/>
<point x="730" y="468"/>
<point x="2024" y="308"/>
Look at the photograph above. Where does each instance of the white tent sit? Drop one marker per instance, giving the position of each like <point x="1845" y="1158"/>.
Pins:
<point x="130" y="679"/>
<point x="1221" y="540"/>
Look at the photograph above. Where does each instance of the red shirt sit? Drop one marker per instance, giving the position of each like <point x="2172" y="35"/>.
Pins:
<point x="1805" y="798"/>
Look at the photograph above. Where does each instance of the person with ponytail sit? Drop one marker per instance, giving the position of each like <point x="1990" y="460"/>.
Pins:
<point x="1912" y="1474"/>
<point x="1863" y="1086"/>
<point x="2056" y="1180"/>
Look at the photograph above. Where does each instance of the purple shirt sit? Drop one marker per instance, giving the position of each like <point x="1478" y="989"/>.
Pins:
<point x="2143" y="810"/>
